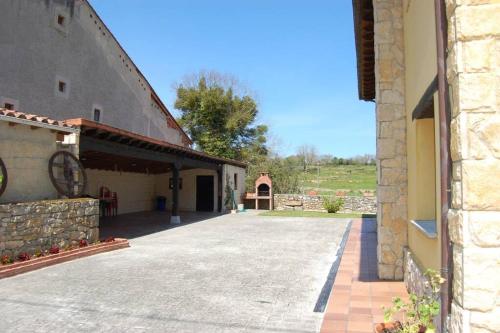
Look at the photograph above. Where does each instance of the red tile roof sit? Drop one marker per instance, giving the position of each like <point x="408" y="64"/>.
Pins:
<point x="36" y="120"/>
<point x="85" y="125"/>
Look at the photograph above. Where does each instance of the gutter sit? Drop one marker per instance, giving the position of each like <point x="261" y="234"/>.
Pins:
<point x="445" y="161"/>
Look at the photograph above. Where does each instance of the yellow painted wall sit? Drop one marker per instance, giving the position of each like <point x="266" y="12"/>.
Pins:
<point x="26" y="155"/>
<point x="136" y="191"/>
<point x="187" y="195"/>
<point x="422" y="135"/>
<point x="425" y="176"/>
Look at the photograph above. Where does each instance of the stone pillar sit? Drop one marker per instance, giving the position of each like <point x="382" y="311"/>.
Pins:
<point x="391" y="138"/>
<point x="474" y="219"/>
<point x="175" y="218"/>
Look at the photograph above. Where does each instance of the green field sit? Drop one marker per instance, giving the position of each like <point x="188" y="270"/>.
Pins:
<point x="301" y="213"/>
<point x="331" y="178"/>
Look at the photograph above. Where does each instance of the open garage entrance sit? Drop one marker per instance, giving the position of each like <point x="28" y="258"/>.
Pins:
<point x="205" y="193"/>
<point x="139" y="170"/>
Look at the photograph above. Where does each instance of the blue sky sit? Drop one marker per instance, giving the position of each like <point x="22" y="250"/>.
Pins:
<point x="297" y="56"/>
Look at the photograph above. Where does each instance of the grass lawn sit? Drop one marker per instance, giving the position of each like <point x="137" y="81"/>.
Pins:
<point x="330" y="178"/>
<point x="300" y="213"/>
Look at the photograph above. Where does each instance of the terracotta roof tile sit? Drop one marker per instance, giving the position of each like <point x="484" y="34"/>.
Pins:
<point x="33" y="118"/>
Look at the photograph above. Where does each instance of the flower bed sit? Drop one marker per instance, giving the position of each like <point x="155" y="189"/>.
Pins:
<point x="26" y="264"/>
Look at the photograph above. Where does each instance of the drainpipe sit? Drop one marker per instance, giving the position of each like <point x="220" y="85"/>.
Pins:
<point x="444" y="155"/>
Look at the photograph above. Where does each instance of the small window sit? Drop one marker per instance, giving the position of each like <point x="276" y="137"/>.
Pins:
<point x="9" y="106"/>
<point x="235" y="181"/>
<point x="97" y="115"/>
<point x="62" y="86"/>
<point x="60" y="20"/>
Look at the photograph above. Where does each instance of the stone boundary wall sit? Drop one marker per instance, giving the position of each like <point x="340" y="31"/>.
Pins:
<point x="35" y="226"/>
<point x="315" y="203"/>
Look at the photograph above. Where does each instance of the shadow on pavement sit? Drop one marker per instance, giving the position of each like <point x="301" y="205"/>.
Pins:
<point x="144" y="223"/>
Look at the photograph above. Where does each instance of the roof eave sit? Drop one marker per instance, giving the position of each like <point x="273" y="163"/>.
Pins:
<point x="153" y="92"/>
<point x="365" y="54"/>
<point x="82" y="122"/>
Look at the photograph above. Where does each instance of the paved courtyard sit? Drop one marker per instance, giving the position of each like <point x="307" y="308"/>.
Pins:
<point x="232" y="273"/>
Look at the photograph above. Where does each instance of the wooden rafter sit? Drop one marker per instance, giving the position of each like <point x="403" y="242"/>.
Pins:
<point x="364" y="32"/>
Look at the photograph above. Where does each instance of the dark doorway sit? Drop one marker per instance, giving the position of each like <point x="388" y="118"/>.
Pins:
<point x="205" y="193"/>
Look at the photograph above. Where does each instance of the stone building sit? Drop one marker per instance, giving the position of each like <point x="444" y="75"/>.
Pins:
<point x="60" y="60"/>
<point x="432" y="68"/>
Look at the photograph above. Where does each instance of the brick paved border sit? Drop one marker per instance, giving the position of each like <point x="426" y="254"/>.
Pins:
<point x="356" y="301"/>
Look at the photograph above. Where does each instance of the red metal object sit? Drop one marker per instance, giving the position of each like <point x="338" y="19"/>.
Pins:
<point x="106" y="200"/>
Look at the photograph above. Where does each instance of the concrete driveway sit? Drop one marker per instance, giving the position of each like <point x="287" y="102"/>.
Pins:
<point x="232" y="273"/>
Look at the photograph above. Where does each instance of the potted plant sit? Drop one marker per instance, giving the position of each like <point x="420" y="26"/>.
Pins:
<point x="418" y="313"/>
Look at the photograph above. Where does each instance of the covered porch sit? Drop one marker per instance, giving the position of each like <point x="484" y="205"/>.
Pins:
<point x="139" y="169"/>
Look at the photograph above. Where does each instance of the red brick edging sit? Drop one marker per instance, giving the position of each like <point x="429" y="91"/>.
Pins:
<point x="37" y="263"/>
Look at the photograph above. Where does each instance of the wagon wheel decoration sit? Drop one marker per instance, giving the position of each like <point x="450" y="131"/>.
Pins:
<point x="3" y="177"/>
<point x="67" y="174"/>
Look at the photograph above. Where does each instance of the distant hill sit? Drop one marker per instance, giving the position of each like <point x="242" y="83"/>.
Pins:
<point x="351" y="179"/>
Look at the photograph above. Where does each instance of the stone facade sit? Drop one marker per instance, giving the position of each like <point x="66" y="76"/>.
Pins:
<point x="35" y="226"/>
<point x="315" y="203"/>
<point x="474" y="79"/>
<point x="414" y="277"/>
<point x="391" y="138"/>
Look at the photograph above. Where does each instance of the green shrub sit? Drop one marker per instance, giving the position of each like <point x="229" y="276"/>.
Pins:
<point x="419" y="312"/>
<point x="333" y="205"/>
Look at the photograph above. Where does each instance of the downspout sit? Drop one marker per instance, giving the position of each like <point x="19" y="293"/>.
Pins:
<point x="444" y="156"/>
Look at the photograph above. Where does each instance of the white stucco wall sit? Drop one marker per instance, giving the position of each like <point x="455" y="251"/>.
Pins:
<point x="26" y="153"/>
<point x="37" y="53"/>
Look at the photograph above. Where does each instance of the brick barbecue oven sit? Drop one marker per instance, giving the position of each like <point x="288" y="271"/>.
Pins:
<point x="263" y="196"/>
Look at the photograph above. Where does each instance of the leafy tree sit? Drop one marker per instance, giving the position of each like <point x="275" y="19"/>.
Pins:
<point x="220" y="119"/>
<point x="283" y="172"/>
